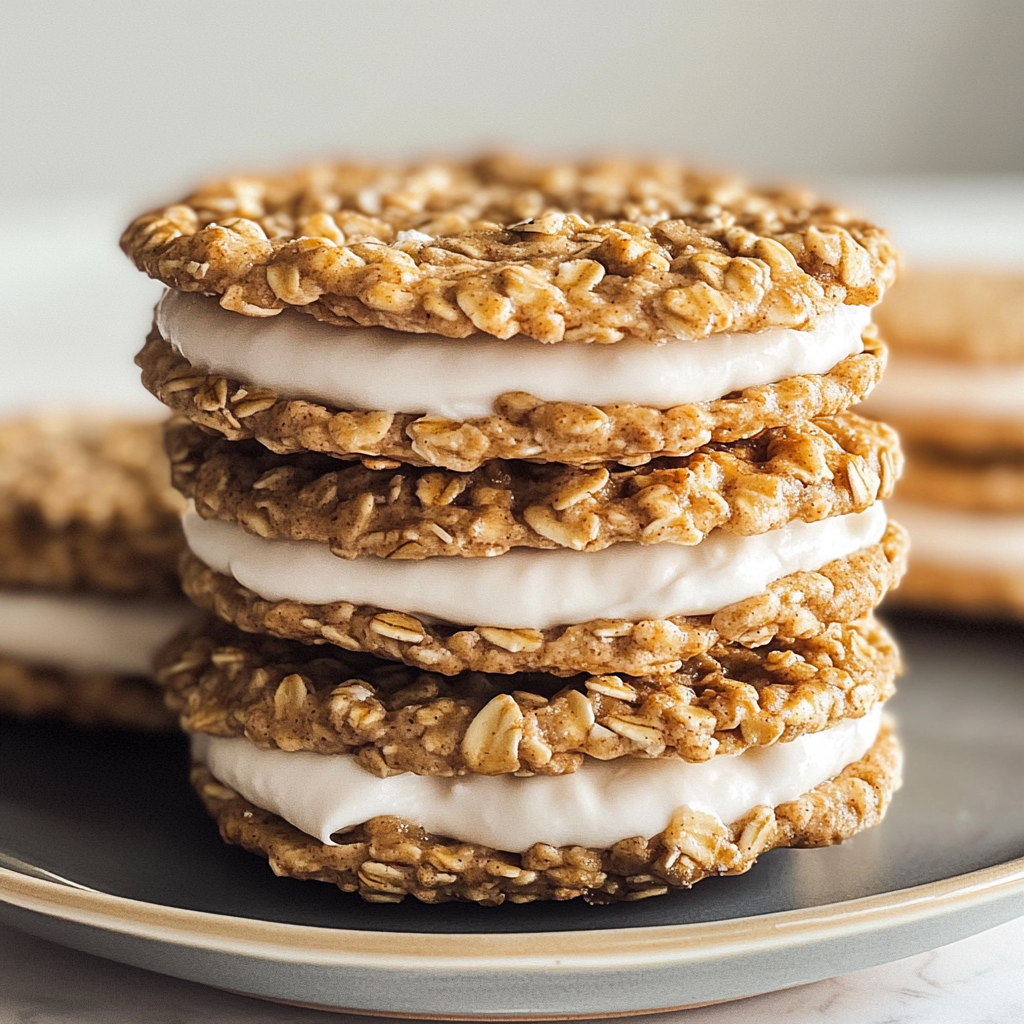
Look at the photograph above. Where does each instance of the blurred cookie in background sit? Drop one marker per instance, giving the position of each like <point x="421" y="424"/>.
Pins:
<point x="954" y="388"/>
<point x="89" y="543"/>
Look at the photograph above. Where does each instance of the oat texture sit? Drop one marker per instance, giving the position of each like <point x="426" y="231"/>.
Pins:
<point x="560" y="253"/>
<point x="386" y="858"/>
<point x="828" y="467"/>
<point x="964" y="316"/>
<point x="398" y="719"/>
<point x="984" y="593"/>
<point x="86" y="504"/>
<point x="801" y="604"/>
<point x="522" y="426"/>
<point x="84" y="698"/>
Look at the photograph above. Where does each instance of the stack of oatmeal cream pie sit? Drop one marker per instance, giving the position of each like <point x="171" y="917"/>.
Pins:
<point x="956" y="392"/>
<point x="89" y="541"/>
<point x="540" y="541"/>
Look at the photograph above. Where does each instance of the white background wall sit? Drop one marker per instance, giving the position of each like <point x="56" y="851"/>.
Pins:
<point x="140" y="99"/>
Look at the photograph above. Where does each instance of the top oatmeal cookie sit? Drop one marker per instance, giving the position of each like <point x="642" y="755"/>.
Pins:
<point x="595" y="252"/>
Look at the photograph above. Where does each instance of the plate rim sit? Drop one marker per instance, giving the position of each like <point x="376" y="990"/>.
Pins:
<point x="651" y="946"/>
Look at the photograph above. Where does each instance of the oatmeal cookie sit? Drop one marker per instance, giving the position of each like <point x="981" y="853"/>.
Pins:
<point x="398" y="719"/>
<point x="84" y="698"/>
<point x="951" y="589"/>
<point x="387" y="858"/>
<point x="522" y="426"/>
<point x="961" y="436"/>
<point x="823" y="468"/>
<point x="86" y="504"/>
<point x="951" y="480"/>
<point x="559" y="253"/>
<point x="800" y="604"/>
<point x="969" y="317"/>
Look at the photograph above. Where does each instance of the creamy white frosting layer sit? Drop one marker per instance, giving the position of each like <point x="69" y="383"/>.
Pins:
<point x="913" y="386"/>
<point x="376" y="368"/>
<point x="603" y="802"/>
<point x="536" y="588"/>
<point x="87" y="633"/>
<point x="958" y="538"/>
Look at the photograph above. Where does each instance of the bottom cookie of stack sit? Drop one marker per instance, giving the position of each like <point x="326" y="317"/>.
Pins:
<point x="817" y="763"/>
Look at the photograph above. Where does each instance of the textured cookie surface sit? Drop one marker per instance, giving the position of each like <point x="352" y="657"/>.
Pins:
<point x="84" y="698"/>
<point x="559" y="253"/>
<point x="86" y="503"/>
<point x="386" y="858"/>
<point x="396" y="719"/>
<point x="522" y="426"/>
<point x="828" y="467"/>
<point x="801" y="604"/>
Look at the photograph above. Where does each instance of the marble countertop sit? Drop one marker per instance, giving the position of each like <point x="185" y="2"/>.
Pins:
<point x="977" y="981"/>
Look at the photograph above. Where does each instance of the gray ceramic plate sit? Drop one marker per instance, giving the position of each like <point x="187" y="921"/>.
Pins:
<point x="154" y="886"/>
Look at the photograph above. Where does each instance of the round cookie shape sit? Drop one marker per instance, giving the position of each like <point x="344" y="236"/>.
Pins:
<point x="522" y="426"/>
<point x="399" y="719"/>
<point x="827" y="467"/>
<point x="800" y="604"/>
<point x="86" y="504"/>
<point x="386" y="858"/>
<point x="559" y="253"/>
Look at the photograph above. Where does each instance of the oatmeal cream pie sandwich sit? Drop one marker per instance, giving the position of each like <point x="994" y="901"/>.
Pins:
<point x="571" y="448"/>
<point x="391" y="781"/>
<point x="449" y="314"/>
<point x="955" y="390"/>
<point x="89" y="540"/>
<point x="524" y="567"/>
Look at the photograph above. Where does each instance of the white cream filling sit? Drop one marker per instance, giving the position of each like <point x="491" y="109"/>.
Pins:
<point x="536" y="588"/>
<point x="962" y="539"/>
<point x="913" y="386"/>
<point x="87" y="633"/>
<point x="603" y="802"/>
<point x="460" y="378"/>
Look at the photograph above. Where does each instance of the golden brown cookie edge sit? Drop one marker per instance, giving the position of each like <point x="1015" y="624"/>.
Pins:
<point x="699" y="255"/>
<point x="963" y="316"/>
<point x="801" y="604"/>
<point x="821" y="468"/>
<point x="522" y="427"/>
<point x="396" y="718"/>
<point x="386" y="859"/>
